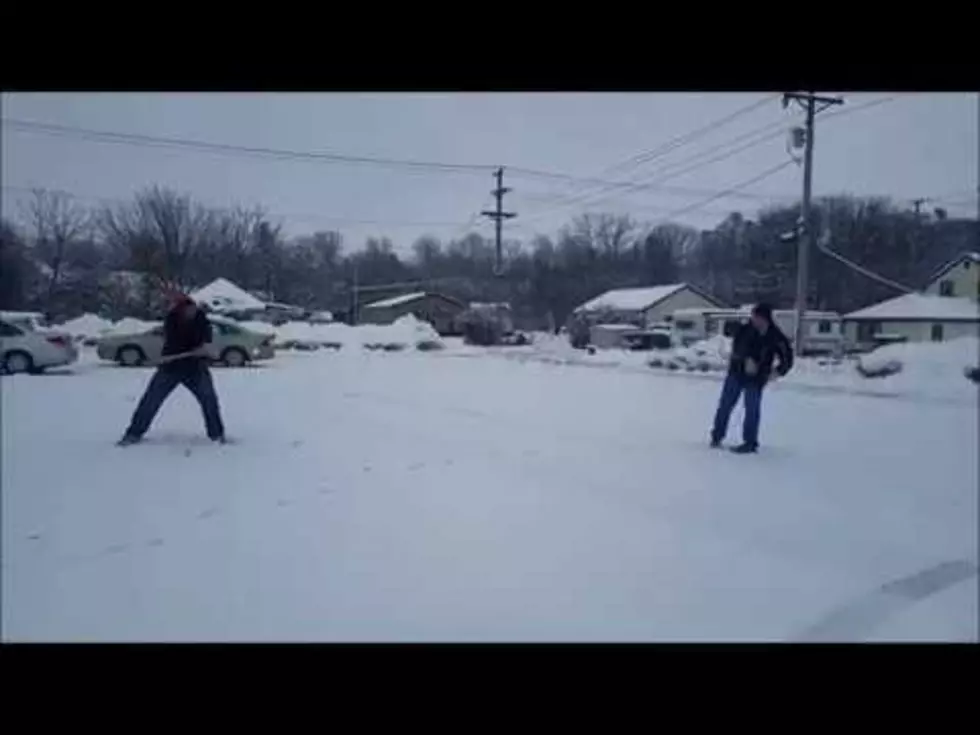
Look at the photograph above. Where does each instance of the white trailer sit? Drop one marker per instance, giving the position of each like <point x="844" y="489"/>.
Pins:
<point x="823" y="332"/>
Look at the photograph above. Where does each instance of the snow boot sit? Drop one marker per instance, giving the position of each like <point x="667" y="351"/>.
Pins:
<point x="715" y="443"/>
<point x="745" y="449"/>
<point x="128" y="439"/>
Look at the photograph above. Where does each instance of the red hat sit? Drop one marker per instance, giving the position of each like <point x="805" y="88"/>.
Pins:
<point x="181" y="299"/>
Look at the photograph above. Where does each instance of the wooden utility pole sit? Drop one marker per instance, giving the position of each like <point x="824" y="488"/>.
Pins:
<point x="498" y="215"/>
<point x="809" y="102"/>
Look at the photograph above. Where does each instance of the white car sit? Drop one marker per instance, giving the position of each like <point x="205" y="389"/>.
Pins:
<point x="24" y="349"/>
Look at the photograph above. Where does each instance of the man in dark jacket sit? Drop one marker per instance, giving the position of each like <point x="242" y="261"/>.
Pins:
<point x="184" y="361"/>
<point x="754" y="347"/>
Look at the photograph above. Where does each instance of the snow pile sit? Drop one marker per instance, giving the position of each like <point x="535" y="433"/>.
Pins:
<point x="404" y="333"/>
<point x="922" y="365"/>
<point x="86" y="326"/>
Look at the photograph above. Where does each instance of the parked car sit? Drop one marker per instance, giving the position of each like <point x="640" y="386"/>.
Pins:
<point x="25" y="349"/>
<point x="232" y="345"/>
<point x="33" y="320"/>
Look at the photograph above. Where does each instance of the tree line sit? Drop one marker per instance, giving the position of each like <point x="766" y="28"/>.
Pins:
<point x="63" y="258"/>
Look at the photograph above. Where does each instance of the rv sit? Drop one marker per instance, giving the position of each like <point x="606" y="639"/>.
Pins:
<point x="822" y="329"/>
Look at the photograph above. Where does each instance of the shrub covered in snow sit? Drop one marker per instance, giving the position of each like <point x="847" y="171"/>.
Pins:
<point x="704" y="356"/>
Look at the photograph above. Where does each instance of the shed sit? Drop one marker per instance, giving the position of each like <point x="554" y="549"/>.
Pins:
<point x="439" y="310"/>
<point x="645" y="307"/>
<point x="913" y="317"/>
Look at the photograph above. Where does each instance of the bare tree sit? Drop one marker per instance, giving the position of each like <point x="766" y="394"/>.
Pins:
<point x="56" y="224"/>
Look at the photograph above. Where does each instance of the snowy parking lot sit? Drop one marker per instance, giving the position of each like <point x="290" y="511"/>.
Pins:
<point x="463" y="496"/>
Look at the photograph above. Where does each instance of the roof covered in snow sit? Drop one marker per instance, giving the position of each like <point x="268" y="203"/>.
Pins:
<point x="632" y="299"/>
<point x="972" y="257"/>
<point x="919" y="306"/>
<point x="396" y="300"/>
<point x="223" y="294"/>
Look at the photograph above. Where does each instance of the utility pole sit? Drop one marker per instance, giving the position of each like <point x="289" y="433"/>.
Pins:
<point x="809" y="102"/>
<point x="355" y="296"/>
<point x="498" y="215"/>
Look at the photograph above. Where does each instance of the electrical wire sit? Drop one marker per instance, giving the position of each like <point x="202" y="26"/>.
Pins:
<point x="152" y="141"/>
<point x="282" y="215"/>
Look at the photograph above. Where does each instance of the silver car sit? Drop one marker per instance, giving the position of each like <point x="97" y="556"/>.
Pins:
<point x="232" y="345"/>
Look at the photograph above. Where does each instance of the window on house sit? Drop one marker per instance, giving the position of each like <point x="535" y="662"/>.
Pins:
<point x="937" y="332"/>
<point x="824" y="326"/>
<point x="945" y="288"/>
<point x="684" y="324"/>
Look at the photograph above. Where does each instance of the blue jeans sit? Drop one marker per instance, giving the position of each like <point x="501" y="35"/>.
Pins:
<point x="734" y="387"/>
<point x="197" y="379"/>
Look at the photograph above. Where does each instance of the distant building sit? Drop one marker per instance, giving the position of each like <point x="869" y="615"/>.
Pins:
<point x="221" y="295"/>
<point x="913" y="317"/>
<point x="439" y="310"/>
<point x="644" y="307"/>
<point x="959" y="278"/>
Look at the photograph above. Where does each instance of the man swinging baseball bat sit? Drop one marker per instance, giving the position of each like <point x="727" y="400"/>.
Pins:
<point x="187" y="331"/>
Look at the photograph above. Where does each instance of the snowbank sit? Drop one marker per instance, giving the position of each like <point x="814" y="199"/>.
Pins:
<point x="922" y="364"/>
<point x="405" y="332"/>
<point x="87" y="325"/>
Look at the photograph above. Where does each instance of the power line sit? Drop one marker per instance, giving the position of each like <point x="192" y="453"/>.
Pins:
<point x="657" y="181"/>
<point x="681" y="140"/>
<point x="665" y="149"/>
<point x="217" y="208"/>
<point x="748" y="182"/>
<point x="104" y="136"/>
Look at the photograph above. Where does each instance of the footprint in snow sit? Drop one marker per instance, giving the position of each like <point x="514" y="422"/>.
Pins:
<point x="210" y="512"/>
<point x="34" y="537"/>
<point x="116" y="548"/>
<point x="297" y="444"/>
<point x="282" y="503"/>
<point x="155" y="542"/>
<point x="417" y="466"/>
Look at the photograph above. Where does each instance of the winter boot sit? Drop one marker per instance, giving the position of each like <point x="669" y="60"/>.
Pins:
<point x="128" y="439"/>
<point x="745" y="449"/>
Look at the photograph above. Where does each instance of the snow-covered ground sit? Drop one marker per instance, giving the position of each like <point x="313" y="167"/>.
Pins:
<point x="419" y="496"/>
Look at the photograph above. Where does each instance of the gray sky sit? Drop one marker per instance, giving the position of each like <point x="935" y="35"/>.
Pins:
<point x="915" y="145"/>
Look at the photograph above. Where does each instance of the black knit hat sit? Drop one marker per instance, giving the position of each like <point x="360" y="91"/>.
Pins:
<point x="764" y="310"/>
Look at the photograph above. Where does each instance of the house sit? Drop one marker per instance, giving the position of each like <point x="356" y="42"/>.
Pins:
<point x="644" y="307"/>
<point x="221" y="295"/>
<point x="959" y="278"/>
<point x="913" y="317"/>
<point x="439" y="310"/>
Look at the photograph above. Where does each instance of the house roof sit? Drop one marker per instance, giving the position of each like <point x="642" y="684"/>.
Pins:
<point x="973" y="257"/>
<point x="638" y="299"/>
<point x="396" y="300"/>
<point x="409" y="298"/>
<point x="920" y="307"/>
<point x="223" y="294"/>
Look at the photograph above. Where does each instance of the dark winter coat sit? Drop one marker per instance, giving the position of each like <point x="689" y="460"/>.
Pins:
<point x="185" y="335"/>
<point x="762" y="348"/>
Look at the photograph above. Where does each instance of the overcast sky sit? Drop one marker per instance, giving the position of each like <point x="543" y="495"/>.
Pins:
<point x="914" y="145"/>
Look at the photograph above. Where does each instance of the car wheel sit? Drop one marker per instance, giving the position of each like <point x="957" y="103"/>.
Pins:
<point x="18" y="362"/>
<point x="234" y="357"/>
<point x="131" y="356"/>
